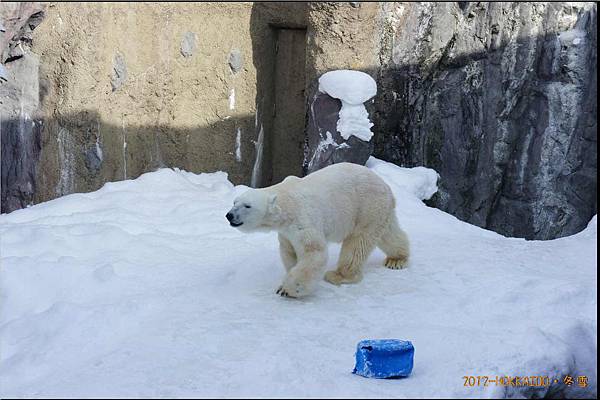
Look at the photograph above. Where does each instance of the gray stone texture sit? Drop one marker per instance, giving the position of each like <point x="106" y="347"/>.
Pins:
<point x="93" y="157"/>
<point x="18" y="22"/>
<point x="20" y="130"/>
<point x="188" y="44"/>
<point x="119" y="75"/>
<point x="236" y="60"/>
<point x="500" y="99"/>
<point x="21" y="122"/>
<point x="325" y="145"/>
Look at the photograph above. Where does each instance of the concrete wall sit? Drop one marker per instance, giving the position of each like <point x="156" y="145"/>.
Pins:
<point x="131" y="87"/>
<point x="119" y="89"/>
<point x="112" y="90"/>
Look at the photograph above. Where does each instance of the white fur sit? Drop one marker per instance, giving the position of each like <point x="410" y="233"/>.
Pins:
<point x="343" y="202"/>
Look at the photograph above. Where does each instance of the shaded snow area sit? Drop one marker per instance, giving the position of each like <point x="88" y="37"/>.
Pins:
<point x="142" y="289"/>
<point x="352" y="88"/>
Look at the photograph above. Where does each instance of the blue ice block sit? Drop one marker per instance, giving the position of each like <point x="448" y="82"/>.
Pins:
<point x="384" y="358"/>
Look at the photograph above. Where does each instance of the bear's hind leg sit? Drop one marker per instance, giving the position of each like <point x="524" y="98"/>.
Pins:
<point x="355" y="251"/>
<point x="394" y="244"/>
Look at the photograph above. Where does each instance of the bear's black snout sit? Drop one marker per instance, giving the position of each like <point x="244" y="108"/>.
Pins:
<point x="229" y="216"/>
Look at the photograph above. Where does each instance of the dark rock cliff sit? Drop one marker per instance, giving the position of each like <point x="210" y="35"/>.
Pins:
<point x="20" y="120"/>
<point x="500" y="99"/>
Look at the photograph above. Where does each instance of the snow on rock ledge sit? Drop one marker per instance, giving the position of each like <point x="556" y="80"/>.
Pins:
<point x="419" y="181"/>
<point x="353" y="88"/>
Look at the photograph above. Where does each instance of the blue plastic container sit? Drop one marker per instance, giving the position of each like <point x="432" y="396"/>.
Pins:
<point x="384" y="358"/>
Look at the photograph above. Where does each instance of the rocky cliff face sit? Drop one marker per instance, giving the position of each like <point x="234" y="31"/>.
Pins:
<point x="20" y="119"/>
<point x="500" y="98"/>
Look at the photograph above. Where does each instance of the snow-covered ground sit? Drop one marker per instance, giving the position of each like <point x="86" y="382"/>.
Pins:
<point x="142" y="289"/>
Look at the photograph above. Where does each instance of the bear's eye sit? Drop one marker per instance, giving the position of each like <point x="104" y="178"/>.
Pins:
<point x="246" y="205"/>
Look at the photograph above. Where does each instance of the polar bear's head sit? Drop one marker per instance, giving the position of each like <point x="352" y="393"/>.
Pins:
<point x="252" y="211"/>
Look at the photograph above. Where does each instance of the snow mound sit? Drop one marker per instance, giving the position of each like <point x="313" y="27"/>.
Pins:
<point x="353" y="88"/>
<point x="141" y="289"/>
<point x="419" y="181"/>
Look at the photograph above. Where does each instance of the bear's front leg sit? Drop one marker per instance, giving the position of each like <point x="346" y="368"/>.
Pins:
<point x="287" y="252"/>
<point x="301" y="279"/>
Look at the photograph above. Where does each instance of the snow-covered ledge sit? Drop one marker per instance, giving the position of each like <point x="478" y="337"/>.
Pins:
<point x="352" y="88"/>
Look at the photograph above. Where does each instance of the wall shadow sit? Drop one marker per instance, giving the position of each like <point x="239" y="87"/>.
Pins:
<point x="46" y="158"/>
<point x="266" y="20"/>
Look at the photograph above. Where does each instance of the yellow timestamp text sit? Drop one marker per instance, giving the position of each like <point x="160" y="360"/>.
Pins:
<point x="533" y="381"/>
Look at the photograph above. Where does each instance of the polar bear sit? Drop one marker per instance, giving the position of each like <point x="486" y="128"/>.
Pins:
<point x="343" y="202"/>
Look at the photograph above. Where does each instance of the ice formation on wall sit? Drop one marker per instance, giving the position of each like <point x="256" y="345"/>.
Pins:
<point x="256" y="170"/>
<point x="231" y="99"/>
<point x="238" y="145"/>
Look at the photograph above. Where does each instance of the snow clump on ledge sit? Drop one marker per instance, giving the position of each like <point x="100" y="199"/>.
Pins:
<point x="353" y="88"/>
